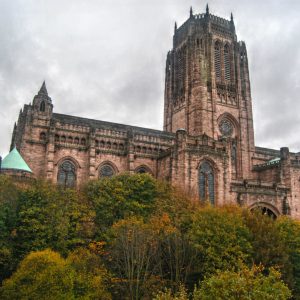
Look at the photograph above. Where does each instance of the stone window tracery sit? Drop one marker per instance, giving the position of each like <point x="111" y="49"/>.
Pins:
<point x="106" y="170"/>
<point x="206" y="183"/>
<point x="66" y="176"/>
<point x="226" y="128"/>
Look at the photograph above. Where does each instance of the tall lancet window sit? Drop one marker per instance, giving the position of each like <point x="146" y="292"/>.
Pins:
<point x="206" y="183"/>
<point x="42" y="106"/>
<point x="234" y="155"/>
<point x="218" y="61"/>
<point x="66" y="176"/>
<point x="227" y="63"/>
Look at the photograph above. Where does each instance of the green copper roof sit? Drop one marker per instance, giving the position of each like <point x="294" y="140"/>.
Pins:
<point x="15" y="161"/>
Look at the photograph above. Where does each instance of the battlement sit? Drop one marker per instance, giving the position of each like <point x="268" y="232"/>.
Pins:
<point x="202" y="21"/>
<point x="220" y="21"/>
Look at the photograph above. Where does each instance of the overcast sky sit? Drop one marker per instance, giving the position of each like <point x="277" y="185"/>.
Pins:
<point x="105" y="59"/>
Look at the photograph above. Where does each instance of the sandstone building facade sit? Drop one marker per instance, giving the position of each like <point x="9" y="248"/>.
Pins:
<point x="207" y="143"/>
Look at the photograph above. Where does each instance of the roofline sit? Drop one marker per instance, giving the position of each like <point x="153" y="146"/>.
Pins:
<point x="15" y="169"/>
<point x="112" y="124"/>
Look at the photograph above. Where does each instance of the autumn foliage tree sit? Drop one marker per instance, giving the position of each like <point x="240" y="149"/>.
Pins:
<point x="133" y="237"/>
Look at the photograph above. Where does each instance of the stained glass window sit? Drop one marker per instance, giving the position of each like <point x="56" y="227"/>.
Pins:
<point x="206" y="183"/>
<point x="66" y="176"/>
<point x="106" y="171"/>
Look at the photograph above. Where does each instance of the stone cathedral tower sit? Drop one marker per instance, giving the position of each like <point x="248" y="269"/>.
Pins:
<point x="207" y="88"/>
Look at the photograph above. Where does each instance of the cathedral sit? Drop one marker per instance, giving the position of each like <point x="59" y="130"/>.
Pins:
<point x="206" y="146"/>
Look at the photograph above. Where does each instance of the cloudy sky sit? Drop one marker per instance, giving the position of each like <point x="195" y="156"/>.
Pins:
<point x="105" y="59"/>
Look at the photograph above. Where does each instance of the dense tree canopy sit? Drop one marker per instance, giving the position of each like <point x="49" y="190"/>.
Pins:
<point x="132" y="237"/>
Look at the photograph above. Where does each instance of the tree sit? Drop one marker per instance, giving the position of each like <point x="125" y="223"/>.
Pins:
<point x="48" y="216"/>
<point x="289" y="232"/>
<point x="267" y="243"/>
<point x="133" y="251"/>
<point x="46" y="275"/>
<point x="41" y="275"/>
<point x="175" y="256"/>
<point x="119" y="197"/>
<point x="247" y="284"/>
<point x="168" y="295"/>
<point x="221" y="239"/>
<point x="91" y="278"/>
<point x="9" y="193"/>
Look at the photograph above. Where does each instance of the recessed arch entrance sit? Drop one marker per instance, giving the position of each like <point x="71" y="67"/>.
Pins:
<point x="266" y="209"/>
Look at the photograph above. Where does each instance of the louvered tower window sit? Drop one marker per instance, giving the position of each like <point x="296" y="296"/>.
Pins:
<point x="227" y="63"/>
<point x="66" y="176"/>
<point x="207" y="183"/>
<point x="218" y="60"/>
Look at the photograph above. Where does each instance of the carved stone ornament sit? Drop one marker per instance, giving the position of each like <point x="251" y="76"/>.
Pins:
<point x="226" y="128"/>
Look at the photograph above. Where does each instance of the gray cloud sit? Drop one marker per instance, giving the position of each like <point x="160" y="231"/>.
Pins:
<point x="105" y="59"/>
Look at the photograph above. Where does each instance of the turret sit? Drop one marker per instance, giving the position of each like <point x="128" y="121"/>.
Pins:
<point x="42" y="103"/>
<point x="191" y="12"/>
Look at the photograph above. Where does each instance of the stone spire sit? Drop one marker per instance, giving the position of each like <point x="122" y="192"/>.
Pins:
<point x="43" y="89"/>
<point x="207" y="9"/>
<point x="191" y="12"/>
<point x="175" y="27"/>
<point x="232" y="22"/>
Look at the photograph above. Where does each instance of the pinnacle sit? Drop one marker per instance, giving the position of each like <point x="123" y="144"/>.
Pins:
<point x="43" y="89"/>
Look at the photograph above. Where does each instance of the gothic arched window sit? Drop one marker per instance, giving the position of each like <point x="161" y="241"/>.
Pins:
<point x="227" y="63"/>
<point x="42" y="106"/>
<point x="142" y="170"/>
<point x="206" y="183"/>
<point x="218" y="60"/>
<point x="66" y="175"/>
<point x="106" y="171"/>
